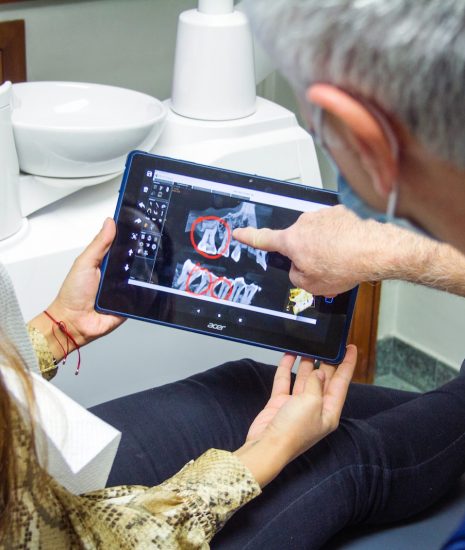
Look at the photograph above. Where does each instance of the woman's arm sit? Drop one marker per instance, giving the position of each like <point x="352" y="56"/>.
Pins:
<point x="189" y="508"/>
<point x="74" y="306"/>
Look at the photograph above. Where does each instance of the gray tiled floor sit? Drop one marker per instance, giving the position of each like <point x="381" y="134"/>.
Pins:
<point x="400" y="365"/>
<point x="392" y="381"/>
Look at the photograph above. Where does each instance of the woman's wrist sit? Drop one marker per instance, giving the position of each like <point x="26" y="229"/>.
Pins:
<point x="264" y="458"/>
<point x="58" y="342"/>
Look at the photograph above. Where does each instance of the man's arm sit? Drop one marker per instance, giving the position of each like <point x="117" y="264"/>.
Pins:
<point x="333" y="250"/>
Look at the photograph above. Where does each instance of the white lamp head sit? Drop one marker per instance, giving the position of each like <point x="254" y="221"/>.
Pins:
<point x="214" y="74"/>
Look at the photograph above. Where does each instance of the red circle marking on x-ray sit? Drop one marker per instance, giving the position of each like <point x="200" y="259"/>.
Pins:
<point x="196" y="269"/>
<point x="228" y="282"/>
<point x="194" y="244"/>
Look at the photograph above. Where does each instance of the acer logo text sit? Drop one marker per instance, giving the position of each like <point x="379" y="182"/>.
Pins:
<point x="214" y="326"/>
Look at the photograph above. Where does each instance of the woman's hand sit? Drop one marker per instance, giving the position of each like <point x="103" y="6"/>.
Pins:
<point x="74" y="304"/>
<point x="293" y="421"/>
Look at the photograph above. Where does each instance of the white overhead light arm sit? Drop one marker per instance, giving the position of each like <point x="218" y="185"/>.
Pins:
<point x="263" y="64"/>
<point x="216" y="6"/>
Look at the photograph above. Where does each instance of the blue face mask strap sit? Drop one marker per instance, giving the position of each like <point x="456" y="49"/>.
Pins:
<point x="318" y="121"/>
<point x="394" y="145"/>
<point x="317" y="118"/>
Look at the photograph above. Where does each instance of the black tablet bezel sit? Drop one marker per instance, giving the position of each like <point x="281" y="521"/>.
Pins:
<point x="117" y="297"/>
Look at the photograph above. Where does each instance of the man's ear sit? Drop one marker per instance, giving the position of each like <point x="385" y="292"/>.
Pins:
<point x="370" y="134"/>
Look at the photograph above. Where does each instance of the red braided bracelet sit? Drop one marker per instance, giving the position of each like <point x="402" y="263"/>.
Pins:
<point x="62" y="326"/>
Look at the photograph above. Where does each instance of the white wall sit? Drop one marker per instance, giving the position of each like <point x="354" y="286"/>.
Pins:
<point x="388" y="309"/>
<point x="432" y="321"/>
<point x="119" y="42"/>
<point x="276" y="88"/>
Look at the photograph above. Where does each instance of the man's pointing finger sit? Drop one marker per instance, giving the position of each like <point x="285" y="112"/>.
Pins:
<point x="263" y="239"/>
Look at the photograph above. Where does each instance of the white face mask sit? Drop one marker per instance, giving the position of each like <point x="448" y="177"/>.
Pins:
<point x="392" y="204"/>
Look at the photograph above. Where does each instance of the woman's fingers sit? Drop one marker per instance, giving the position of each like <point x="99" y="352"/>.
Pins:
<point x="336" y="392"/>
<point x="96" y="250"/>
<point x="306" y="367"/>
<point x="315" y="383"/>
<point x="329" y="371"/>
<point x="282" y="378"/>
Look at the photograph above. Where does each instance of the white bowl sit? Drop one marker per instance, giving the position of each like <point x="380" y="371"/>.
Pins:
<point x="71" y="129"/>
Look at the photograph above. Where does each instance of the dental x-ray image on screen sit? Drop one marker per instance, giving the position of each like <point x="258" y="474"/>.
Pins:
<point x="175" y="260"/>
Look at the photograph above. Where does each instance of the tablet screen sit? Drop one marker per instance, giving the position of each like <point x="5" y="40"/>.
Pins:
<point x="175" y="260"/>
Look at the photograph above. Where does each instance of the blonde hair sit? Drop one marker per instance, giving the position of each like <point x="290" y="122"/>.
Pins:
<point x="9" y="415"/>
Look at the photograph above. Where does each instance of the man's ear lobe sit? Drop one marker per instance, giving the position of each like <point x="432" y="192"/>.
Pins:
<point x="369" y="134"/>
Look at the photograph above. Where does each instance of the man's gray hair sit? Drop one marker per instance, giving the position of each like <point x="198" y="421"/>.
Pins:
<point x="405" y="56"/>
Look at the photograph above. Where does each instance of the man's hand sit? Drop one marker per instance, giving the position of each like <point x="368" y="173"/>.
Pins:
<point x="74" y="304"/>
<point x="329" y="249"/>
<point x="333" y="250"/>
<point x="293" y="421"/>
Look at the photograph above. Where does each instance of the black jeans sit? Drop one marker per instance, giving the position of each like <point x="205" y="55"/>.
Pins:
<point x="393" y="455"/>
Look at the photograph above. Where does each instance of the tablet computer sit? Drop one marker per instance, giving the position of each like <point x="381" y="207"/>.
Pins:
<point x="175" y="262"/>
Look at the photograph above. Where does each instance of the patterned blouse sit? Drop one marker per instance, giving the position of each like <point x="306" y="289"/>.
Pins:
<point x="183" y="512"/>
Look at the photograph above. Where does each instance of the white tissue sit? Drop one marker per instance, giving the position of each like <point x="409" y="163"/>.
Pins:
<point x="77" y="448"/>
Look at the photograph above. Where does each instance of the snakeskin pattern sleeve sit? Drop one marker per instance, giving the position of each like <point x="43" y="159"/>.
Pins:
<point x="183" y="512"/>
<point x="47" y="364"/>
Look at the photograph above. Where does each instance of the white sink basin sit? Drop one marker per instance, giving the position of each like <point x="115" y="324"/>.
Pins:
<point x="71" y="129"/>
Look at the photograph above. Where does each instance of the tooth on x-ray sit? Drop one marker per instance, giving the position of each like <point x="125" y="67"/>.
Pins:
<point x="198" y="278"/>
<point x="220" y="288"/>
<point x="224" y="246"/>
<point x="207" y="244"/>
<point x="242" y="292"/>
<point x="199" y="282"/>
<point x="261" y="258"/>
<point x="236" y="253"/>
<point x="181" y="279"/>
